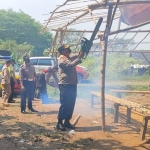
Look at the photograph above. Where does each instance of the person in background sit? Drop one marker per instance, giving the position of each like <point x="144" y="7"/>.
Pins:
<point x="12" y="80"/>
<point x="43" y="79"/>
<point x="5" y="83"/>
<point x="27" y="78"/>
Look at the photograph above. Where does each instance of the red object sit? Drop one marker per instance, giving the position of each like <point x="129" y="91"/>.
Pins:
<point x="135" y="14"/>
<point x="83" y="71"/>
<point x="17" y="88"/>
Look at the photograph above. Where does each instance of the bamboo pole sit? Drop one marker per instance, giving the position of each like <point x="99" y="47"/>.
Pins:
<point x="146" y="58"/>
<point x="130" y="28"/>
<point x="104" y="50"/>
<point x="104" y="5"/>
<point x="90" y="31"/>
<point x="141" y="41"/>
<point x="129" y="41"/>
<point x="86" y="12"/>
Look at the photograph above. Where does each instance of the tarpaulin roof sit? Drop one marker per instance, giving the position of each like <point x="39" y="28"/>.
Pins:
<point x="134" y="14"/>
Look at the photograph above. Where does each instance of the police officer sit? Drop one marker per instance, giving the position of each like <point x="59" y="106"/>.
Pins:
<point x="27" y="77"/>
<point x="12" y="80"/>
<point x="67" y="85"/>
<point x="6" y="89"/>
<point x="43" y="79"/>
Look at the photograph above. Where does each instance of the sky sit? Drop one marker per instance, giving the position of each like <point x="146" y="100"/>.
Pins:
<point x="37" y="8"/>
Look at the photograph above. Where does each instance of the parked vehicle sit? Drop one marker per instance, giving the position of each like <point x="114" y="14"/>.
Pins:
<point x="40" y="63"/>
<point x="16" y="86"/>
<point x="4" y="54"/>
<point x="82" y="73"/>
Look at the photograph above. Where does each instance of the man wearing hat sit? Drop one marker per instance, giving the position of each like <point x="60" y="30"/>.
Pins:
<point x="27" y="79"/>
<point x="43" y="79"/>
<point x="5" y="83"/>
<point x="67" y="85"/>
<point x="12" y="80"/>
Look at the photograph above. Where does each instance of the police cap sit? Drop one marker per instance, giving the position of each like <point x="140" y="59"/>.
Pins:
<point x="64" y="48"/>
<point x="8" y="61"/>
<point x="26" y="55"/>
<point x="12" y="60"/>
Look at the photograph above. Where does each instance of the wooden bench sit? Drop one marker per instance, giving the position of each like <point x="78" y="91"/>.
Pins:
<point x="130" y="106"/>
<point x="119" y="92"/>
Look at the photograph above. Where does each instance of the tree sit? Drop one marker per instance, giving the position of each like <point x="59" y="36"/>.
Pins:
<point x="70" y="38"/>
<point x="17" y="50"/>
<point x="20" y="27"/>
<point x="120" y="44"/>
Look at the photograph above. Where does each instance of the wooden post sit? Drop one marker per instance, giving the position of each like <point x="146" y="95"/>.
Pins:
<point x="116" y="112"/>
<point x="104" y="52"/>
<point x="144" y="127"/>
<point x="92" y="100"/>
<point x="128" y="115"/>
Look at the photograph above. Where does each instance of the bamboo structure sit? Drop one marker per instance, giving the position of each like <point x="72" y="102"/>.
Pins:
<point x="75" y="12"/>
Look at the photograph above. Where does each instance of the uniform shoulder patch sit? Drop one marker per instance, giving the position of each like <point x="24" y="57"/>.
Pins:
<point x="62" y="57"/>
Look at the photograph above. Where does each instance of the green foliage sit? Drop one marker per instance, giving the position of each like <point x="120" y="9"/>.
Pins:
<point x="120" y="44"/>
<point x="93" y="63"/>
<point x="20" y="27"/>
<point x="117" y="64"/>
<point x="17" y="50"/>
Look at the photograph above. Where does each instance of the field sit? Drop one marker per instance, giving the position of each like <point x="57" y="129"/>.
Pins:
<point x="36" y="131"/>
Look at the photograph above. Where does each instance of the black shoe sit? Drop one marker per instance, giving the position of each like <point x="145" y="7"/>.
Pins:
<point x="68" y="125"/>
<point x="12" y="101"/>
<point x="23" y="112"/>
<point x="33" y="110"/>
<point x="60" y="126"/>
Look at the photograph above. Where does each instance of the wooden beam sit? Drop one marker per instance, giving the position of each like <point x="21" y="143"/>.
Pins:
<point x="86" y="12"/>
<point x="146" y="58"/>
<point x="130" y="28"/>
<point x="104" y="5"/>
<point x="90" y="31"/>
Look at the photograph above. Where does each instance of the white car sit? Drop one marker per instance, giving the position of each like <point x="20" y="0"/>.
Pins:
<point x="41" y="63"/>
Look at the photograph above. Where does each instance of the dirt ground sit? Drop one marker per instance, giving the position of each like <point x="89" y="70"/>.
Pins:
<point x="36" y="131"/>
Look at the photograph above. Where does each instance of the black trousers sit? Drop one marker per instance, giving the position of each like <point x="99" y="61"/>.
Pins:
<point x="68" y="93"/>
<point x="28" y="93"/>
<point x="12" y="84"/>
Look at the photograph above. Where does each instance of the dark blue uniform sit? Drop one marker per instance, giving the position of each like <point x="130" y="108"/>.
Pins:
<point x="68" y="88"/>
<point x="27" y="77"/>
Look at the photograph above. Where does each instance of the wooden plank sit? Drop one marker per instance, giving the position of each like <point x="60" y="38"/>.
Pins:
<point x="144" y="127"/>
<point x="135" y="106"/>
<point x="128" y="91"/>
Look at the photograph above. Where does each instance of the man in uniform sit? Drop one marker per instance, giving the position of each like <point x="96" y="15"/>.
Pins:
<point x="27" y="78"/>
<point x="12" y="80"/>
<point x="43" y="79"/>
<point x="6" y="89"/>
<point x="67" y="85"/>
